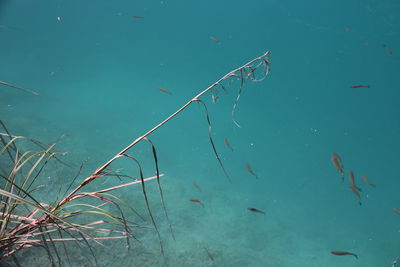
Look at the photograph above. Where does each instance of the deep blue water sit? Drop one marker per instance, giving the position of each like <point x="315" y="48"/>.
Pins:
<point x="98" y="71"/>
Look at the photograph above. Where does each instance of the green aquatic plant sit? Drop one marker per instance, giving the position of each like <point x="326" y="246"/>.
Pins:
<point x="81" y="216"/>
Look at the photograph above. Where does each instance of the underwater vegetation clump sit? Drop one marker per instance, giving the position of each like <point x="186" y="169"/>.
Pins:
<point x="82" y="216"/>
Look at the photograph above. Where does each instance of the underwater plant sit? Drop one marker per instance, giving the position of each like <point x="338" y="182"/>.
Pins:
<point x="81" y="216"/>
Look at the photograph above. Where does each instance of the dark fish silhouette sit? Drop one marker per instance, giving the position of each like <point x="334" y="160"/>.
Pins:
<point x="226" y="142"/>
<point x="356" y="192"/>
<point x="337" y="162"/>
<point x="367" y="181"/>
<point x="353" y="181"/>
<point x="359" y="86"/>
<point x="197" y="201"/>
<point x="256" y="210"/>
<point x="248" y="167"/>
<point x="210" y="256"/>
<point x="343" y="253"/>
<point x="165" y="91"/>
<point x="197" y="186"/>
<point x="390" y="51"/>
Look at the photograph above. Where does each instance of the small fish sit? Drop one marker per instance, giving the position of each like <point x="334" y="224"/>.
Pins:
<point x="226" y="142"/>
<point x="210" y="256"/>
<point x="351" y="177"/>
<point x="137" y="17"/>
<point x="197" y="186"/>
<point x="346" y="29"/>
<point x="165" y="91"/>
<point x="396" y="211"/>
<point x="197" y="201"/>
<point x="356" y="192"/>
<point x="390" y="51"/>
<point x="58" y="19"/>
<point x="367" y="181"/>
<point x="256" y="210"/>
<point x="353" y="181"/>
<point x="367" y="44"/>
<point x="337" y="162"/>
<point x="248" y="167"/>
<point x="215" y="40"/>
<point x="343" y="253"/>
<point x="359" y="86"/>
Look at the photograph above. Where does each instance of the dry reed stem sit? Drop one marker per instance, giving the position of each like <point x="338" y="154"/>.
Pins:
<point x="74" y="239"/>
<point x="116" y="187"/>
<point x="263" y="58"/>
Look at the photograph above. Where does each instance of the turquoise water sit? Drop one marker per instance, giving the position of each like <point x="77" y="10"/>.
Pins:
<point x="98" y="71"/>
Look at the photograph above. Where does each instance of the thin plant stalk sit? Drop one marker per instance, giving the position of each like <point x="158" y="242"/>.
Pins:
<point x="264" y="58"/>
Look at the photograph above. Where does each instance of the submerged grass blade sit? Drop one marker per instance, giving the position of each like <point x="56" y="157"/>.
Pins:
<point x="159" y="184"/>
<point x="16" y="261"/>
<point x="33" y="168"/>
<point x="8" y="133"/>
<point x="10" y="143"/>
<point x="2" y="139"/>
<point x="90" y="248"/>
<point x="121" y="220"/>
<point x="123" y="202"/>
<point x="212" y="141"/>
<point x="65" y="248"/>
<point x="147" y="200"/>
<point x="75" y="177"/>
<point x="54" y="246"/>
<point x="237" y="99"/>
<point x="46" y="247"/>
